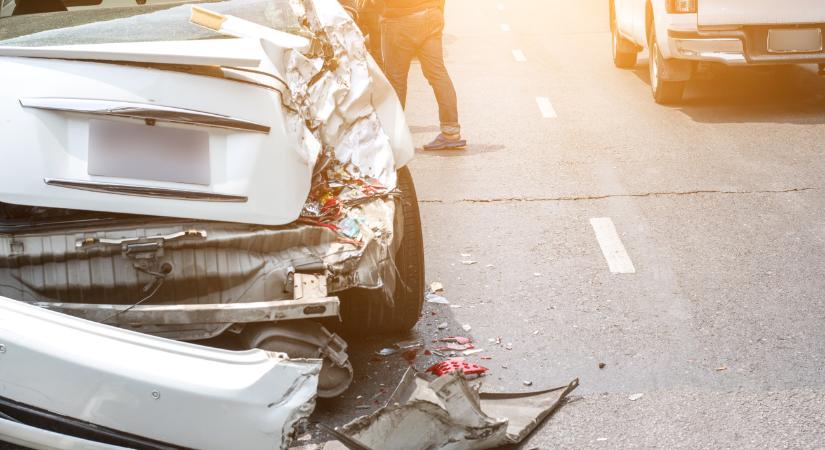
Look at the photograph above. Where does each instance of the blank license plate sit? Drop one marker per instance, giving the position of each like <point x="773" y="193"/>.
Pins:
<point x="801" y="40"/>
<point x="135" y="150"/>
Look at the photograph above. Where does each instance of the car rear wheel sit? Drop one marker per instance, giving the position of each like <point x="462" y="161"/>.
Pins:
<point x="370" y="311"/>
<point x="622" y="58"/>
<point x="664" y="91"/>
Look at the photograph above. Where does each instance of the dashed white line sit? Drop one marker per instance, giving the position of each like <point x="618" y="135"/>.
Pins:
<point x="505" y="27"/>
<point x="519" y="56"/>
<point x="546" y="108"/>
<point x="612" y="248"/>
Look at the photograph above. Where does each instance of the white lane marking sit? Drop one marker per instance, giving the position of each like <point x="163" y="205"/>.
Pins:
<point x="612" y="247"/>
<point x="546" y="108"/>
<point x="505" y="27"/>
<point x="519" y="56"/>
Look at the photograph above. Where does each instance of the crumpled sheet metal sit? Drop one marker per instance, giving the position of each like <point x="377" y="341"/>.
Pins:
<point x="332" y="93"/>
<point x="331" y="90"/>
<point x="448" y="413"/>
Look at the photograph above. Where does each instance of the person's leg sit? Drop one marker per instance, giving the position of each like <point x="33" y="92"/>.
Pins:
<point x="397" y="48"/>
<point x="431" y="55"/>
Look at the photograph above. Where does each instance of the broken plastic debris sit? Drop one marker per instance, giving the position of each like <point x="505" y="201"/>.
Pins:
<point x="472" y="351"/>
<point x="452" y="346"/>
<point x="436" y="287"/>
<point x="528" y="383"/>
<point x="402" y="346"/>
<point x="443" y="325"/>
<point x="635" y="397"/>
<point x="456" y="339"/>
<point x="387" y="351"/>
<point x="466" y="327"/>
<point x="469" y="262"/>
<point x="456" y="364"/>
<point x="447" y="413"/>
<point x="435" y="298"/>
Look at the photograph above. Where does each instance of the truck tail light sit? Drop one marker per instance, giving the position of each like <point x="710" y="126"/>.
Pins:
<point x="682" y="6"/>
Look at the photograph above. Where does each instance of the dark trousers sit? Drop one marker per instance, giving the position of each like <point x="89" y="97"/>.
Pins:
<point x="420" y="35"/>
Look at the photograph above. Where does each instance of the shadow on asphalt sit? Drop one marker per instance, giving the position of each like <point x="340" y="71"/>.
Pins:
<point x="773" y="94"/>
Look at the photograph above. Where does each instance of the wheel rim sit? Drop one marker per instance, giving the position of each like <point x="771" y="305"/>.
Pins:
<point x="654" y="67"/>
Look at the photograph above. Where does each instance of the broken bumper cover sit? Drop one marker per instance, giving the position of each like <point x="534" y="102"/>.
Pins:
<point x="735" y="47"/>
<point x="126" y="387"/>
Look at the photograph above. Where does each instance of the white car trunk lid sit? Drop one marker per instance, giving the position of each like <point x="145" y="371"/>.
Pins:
<point x="760" y="12"/>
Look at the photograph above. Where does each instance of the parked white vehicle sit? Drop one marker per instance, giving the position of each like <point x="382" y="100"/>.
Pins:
<point x="680" y="33"/>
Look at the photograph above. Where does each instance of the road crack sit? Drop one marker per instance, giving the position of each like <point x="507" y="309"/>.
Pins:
<point x="576" y="198"/>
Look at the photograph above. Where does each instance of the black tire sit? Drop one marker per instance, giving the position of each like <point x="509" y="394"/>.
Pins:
<point x="621" y="59"/>
<point x="369" y="311"/>
<point x="665" y="92"/>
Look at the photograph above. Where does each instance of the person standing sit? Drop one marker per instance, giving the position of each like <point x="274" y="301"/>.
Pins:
<point x="414" y="28"/>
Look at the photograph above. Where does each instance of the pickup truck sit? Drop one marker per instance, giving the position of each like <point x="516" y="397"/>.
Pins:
<point x="679" y="34"/>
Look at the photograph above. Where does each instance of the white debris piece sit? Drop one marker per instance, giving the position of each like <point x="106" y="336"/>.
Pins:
<point x="435" y="298"/>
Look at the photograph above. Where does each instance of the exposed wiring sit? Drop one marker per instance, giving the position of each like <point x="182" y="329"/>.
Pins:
<point x="158" y="283"/>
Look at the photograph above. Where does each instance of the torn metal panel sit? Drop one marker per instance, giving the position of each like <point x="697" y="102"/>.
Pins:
<point x="448" y="413"/>
<point x="171" y="392"/>
<point x="216" y="275"/>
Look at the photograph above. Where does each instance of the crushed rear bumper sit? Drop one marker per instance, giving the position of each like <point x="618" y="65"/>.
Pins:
<point x="65" y="375"/>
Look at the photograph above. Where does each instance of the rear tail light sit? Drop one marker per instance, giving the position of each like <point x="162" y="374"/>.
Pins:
<point x="682" y="6"/>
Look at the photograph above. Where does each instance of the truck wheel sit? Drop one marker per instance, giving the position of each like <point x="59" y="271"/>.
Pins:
<point x="622" y="58"/>
<point x="664" y="91"/>
<point x="366" y="311"/>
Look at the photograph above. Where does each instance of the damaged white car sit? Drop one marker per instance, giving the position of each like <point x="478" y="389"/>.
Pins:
<point x="225" y="170"/>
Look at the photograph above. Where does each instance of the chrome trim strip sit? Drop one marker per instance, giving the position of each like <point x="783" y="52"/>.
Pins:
<point x="91" y="241"/>
<point x="143" y="111"/>
<point x="145" y="191"/>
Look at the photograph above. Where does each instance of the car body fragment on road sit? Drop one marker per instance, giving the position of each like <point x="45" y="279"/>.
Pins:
<point x="449" y="413"/>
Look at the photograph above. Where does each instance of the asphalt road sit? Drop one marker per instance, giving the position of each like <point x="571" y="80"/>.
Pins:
<point x="718" y="202"/>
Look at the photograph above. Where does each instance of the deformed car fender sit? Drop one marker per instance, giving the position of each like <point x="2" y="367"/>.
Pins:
<point x="165" y="391"/>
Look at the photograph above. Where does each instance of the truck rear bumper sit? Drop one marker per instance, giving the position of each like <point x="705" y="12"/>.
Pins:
<point x="734" y="47"/>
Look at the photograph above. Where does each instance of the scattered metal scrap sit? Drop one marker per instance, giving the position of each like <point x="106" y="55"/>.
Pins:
<point x="449" y="413"/>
